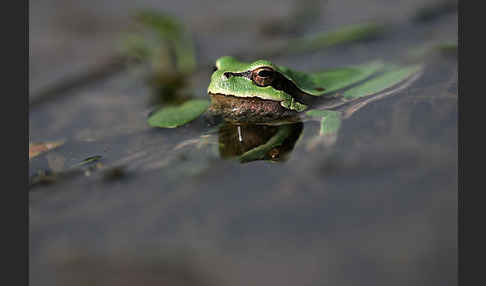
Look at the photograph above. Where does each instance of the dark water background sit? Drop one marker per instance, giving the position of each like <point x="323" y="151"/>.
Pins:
<point x="377" y="208"/>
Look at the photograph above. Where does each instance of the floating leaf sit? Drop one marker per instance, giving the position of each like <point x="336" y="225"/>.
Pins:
<point x="36" y="149"/>
<point x="332" y="79"/>
<point x="330" y="120"/>
<point x="391" y="77"/>
<point x="175" y="116"/>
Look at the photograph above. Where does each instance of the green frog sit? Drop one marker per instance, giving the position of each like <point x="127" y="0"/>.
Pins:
<point x="261" y="91"/>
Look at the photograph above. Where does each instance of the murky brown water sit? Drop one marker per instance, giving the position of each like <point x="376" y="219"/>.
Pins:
<point x="377" y="208"/>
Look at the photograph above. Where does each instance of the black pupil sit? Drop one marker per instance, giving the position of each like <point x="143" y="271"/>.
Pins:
<point x="264" y="73"/>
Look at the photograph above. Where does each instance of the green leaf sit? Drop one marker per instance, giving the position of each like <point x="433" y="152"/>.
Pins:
<point x="175" y="116"/>
<point x="332" y="79"/>
<point x="391" y="77"/>
<point x="330" y="120"/>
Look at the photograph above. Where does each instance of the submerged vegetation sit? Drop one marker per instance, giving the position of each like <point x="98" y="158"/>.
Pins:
<point x="163" y="44"/>
<point x="163" y="41"/>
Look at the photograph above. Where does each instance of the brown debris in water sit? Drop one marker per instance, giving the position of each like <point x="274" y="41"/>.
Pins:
<point x="36" y="149"/>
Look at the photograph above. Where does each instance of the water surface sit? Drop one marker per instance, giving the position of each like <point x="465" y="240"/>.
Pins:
<point x="379" y="207"/>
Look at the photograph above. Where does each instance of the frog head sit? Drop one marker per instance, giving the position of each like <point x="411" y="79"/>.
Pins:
<point x="261" y="83"/>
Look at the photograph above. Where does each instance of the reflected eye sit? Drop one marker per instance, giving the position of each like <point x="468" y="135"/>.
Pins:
<point x="263" y="76"/>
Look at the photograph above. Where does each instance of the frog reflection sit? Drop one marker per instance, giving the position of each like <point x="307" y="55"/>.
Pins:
<point x="249" y="142"/>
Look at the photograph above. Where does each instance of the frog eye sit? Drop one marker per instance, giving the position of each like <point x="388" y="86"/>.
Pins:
<point x="263" y="76"/>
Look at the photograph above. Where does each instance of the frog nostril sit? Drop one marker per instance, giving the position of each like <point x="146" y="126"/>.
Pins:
<point x="215" y="68"/>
